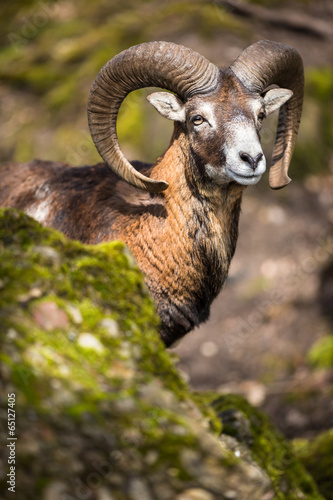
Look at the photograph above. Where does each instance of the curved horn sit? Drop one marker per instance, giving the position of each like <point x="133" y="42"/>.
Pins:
<point x="153" y="64"/>
<point x="265" y="63"/>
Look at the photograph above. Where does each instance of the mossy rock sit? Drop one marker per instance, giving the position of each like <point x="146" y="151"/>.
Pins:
<point x="101" y="412"/>
<point x="100" y="407"/>
<point x="252" y="432"/>
<point x="317" y="457"/>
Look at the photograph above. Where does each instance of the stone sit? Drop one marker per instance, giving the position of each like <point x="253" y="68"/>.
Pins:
<point x="49" y="316"/>
<point x="105" y="415"/>
<point x="89" y="341"/>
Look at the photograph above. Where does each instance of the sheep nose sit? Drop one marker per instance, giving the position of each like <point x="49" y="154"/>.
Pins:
<point x="253" y="162"/>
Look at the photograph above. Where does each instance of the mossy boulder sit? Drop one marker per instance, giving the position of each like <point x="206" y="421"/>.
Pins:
<point x="253" y="432"/>
<point x="317" y="457"/>
<point x="101" y="412"/>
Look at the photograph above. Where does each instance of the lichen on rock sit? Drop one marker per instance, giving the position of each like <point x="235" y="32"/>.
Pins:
<point x="101" y="410"/>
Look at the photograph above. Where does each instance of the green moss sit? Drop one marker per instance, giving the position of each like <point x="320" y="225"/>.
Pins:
<point x="268" y="448"/>
<point x="71" y="272"/>
<point x="320" y="354"/>
<point x="317" y="457"/>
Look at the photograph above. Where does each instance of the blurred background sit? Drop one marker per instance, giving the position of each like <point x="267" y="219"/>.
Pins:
<point x="270" y="335"/>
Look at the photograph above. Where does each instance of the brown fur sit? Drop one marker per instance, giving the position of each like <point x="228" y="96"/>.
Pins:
<point x="183" y="239"/>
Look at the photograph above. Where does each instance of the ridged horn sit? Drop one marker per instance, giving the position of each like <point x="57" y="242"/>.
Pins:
<point x="266" y="63"/>
<point x="153" y="64"/>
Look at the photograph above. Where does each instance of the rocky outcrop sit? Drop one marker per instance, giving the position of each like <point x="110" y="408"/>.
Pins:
<point x="93" y="407"/>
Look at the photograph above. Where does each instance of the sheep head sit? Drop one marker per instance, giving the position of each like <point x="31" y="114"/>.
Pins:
<point x="223" y="129"/>
<point x="221" y="110"/>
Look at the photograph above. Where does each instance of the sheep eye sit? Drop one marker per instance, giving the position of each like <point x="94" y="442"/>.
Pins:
<point x="197" y="120"/>
<point x="261" y="116"/>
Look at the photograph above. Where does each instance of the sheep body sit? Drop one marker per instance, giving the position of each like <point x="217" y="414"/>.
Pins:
<point x="184" y="249"/>
<point x="182" y="230"/>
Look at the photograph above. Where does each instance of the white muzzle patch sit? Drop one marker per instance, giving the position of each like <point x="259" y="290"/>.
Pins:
<point x="245" y="161"/>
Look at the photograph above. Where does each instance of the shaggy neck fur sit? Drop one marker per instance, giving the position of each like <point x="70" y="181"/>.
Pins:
<point x="195" y="237"/>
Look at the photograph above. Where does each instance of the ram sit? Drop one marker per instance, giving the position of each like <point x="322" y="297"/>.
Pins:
<point x="179" y="217"/>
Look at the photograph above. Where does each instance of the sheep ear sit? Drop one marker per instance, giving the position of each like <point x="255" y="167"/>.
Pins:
<point x="168" y="105"/>
<point x="274" y="99"/>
